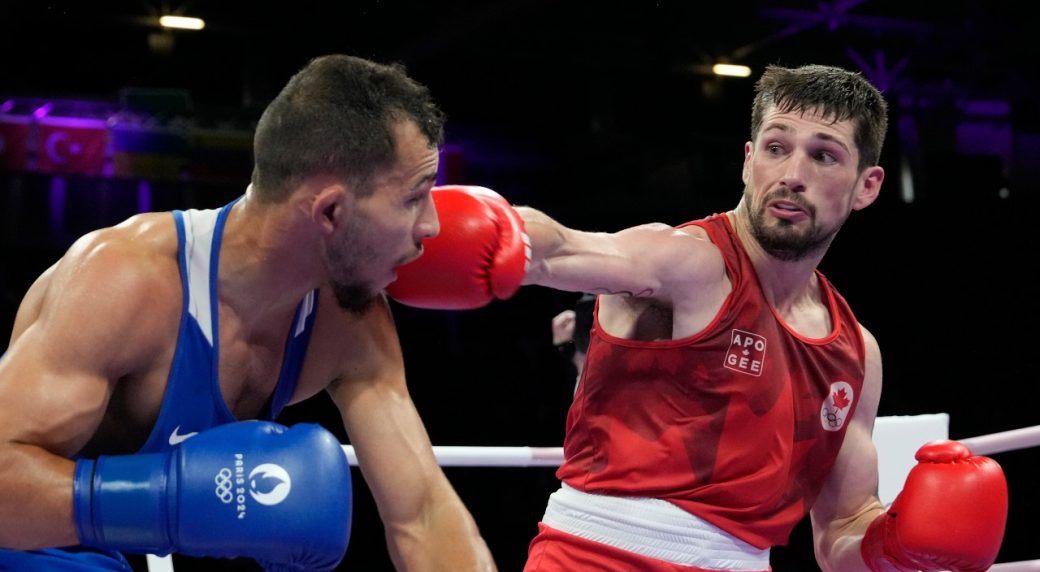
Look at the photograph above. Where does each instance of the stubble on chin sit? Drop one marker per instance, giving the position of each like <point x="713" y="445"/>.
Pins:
<point x="354" y="298"/>
<point x="780" y="239"/>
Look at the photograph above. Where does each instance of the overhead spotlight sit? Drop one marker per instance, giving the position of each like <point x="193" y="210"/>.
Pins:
<point x="182" y="22"/>
<point x="731" y="70"/>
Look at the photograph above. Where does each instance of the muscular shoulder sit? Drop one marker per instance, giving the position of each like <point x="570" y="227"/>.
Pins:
<point x="870" y="343"/>
<point x="672" y="242"/>
<point x="683" y="256"/>
<point x="868" y="337"/>
<point x="133" y="258"/>
<point x="111" y="288"/>
<point x="871" y="392"/>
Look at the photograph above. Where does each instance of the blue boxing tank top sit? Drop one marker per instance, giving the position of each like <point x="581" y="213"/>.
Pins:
<point x="193" y="401"/>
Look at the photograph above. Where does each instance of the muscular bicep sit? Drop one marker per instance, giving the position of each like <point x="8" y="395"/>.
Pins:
<point x="50" y="399"/>
<point x="81" y="327"/>
<point x="652" y="261"/>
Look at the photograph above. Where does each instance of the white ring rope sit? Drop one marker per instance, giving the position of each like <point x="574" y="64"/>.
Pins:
<point x="1021" y="566"/>
<point x="1004" y="441"/>
<point x="488" y="456"/>
<point x="465" y="456"/>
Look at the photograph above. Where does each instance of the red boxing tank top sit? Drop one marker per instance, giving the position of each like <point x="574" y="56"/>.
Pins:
<point x="739" y="424"/>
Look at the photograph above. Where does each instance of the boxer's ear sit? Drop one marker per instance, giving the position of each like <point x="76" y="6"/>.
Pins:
<point x="869" y="187"/>
<point x="330" y="207"/>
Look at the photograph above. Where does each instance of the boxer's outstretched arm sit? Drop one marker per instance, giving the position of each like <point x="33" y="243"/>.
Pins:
<point x="652" y="260"/>
<point x="487" y="248"/>
<point x="427" y="525"/>
<point x="82" y="326"/>
<point x="849" y="501"/>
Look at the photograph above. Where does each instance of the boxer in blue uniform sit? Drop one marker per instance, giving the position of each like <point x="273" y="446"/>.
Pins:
<point x="146" y="365"/>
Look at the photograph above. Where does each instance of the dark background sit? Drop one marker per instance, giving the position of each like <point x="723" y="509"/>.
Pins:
<point x="602" y="114"/>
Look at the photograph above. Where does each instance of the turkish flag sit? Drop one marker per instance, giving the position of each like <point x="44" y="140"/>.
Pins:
<point x="71" y="145"/>
<point x="14" y="142"/>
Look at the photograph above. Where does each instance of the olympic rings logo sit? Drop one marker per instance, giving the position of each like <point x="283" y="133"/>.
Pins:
<point x="836" y="406"/>
<point x="224" y="486"/>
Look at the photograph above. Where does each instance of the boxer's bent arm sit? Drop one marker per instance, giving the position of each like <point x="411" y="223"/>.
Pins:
<point x="651" y="261"/>
<point x="427" y="525"/>
<point x="849" y="502"/>
<point x="69" y="343"/>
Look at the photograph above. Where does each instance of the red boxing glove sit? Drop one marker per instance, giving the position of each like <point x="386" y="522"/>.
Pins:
<point x="950" y="515"/>
<point x="480" y="254"/>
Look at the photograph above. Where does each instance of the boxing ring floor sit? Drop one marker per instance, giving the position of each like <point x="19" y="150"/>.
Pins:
<point x="897" y="438"/>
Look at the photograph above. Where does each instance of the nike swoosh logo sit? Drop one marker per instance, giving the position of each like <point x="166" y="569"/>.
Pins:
<point x="177" y="439"/>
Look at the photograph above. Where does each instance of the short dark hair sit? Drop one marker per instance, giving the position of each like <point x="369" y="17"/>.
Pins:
<point x="336" y="116"/>
<point x="834" y="92"/>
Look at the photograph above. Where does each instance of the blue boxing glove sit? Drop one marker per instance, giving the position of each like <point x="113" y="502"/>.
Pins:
<point x="256" y="489"/>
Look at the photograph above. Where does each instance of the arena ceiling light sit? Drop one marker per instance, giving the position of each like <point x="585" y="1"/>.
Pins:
<point x="182" y="22"/>
<point x="731" y="70"/>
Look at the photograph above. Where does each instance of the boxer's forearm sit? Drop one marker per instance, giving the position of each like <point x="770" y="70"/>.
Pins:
<point x="35" y="498"/>
<point x="445" y="537"/>
<point x="838" y="549"/>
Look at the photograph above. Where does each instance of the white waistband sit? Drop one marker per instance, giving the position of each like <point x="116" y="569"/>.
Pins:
<point x="651" y="527"/>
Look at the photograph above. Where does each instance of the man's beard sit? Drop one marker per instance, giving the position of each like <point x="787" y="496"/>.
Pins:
<point x="782" y="241"/>
<point x="345" y="263"/>
<point x="355" y="298"/>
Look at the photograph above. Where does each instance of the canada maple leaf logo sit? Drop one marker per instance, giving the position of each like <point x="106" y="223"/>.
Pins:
<point x="841" y="400"/>
<point x="832" y="410"/>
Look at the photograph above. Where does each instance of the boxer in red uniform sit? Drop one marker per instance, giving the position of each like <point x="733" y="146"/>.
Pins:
<point x="728" y="389"/>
